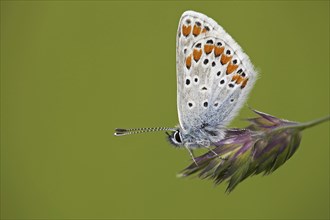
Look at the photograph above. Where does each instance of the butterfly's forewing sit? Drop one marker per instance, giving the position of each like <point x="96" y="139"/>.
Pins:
<point x="214" y="75"/>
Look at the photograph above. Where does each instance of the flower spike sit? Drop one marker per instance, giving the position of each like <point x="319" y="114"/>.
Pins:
<point x="262" y="147"/>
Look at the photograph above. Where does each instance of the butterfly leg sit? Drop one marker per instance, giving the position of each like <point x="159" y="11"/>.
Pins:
<point x="210" y="149"/>
<point x="191" y="154"/>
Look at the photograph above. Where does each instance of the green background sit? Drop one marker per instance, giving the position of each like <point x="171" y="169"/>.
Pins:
<point x="73" y="71"/>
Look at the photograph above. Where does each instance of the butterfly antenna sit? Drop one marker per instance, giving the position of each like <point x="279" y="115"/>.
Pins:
<point x="122" y="131"/>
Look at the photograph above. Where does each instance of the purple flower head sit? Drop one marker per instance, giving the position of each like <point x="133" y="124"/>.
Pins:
<point x="262" y="147"/>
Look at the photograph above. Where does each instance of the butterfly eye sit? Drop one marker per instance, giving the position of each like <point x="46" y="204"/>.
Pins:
<point x="177" y="137"/>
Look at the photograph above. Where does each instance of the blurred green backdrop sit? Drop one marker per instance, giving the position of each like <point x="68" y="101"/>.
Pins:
<point x="73" y="71"/>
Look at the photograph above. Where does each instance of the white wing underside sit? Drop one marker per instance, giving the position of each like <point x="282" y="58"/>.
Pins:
<point x="214" y="75"/>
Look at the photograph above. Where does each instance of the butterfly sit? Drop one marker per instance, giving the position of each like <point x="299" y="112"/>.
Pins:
<point x="214" y="78"/>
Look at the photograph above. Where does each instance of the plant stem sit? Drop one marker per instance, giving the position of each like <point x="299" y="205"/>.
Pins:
<point x="309" y="124"/>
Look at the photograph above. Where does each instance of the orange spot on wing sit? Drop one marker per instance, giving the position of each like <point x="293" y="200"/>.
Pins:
<point x="197" y="54"/>
<point x="235" y="77"/>
<point x="196" y="30"/>
<point x="244" y="83"/>
<point x="208" y="48"/>
<point x="186" y="30"/>
<point x="218" y="51"/>
<point x="188" y="62"/>
<point x="231" y="68"/>
<point x="239" y="79"/>
<point x="204" y="30"/>
<point x="225" y="59"/>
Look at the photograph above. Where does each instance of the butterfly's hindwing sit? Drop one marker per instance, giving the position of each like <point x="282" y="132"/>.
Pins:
<point x="214" y="75"/>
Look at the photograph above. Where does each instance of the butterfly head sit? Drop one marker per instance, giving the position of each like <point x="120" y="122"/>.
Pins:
<point x="175" y="138"/>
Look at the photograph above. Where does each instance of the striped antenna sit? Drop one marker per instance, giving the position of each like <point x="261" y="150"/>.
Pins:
<point x="122" y="131"/>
